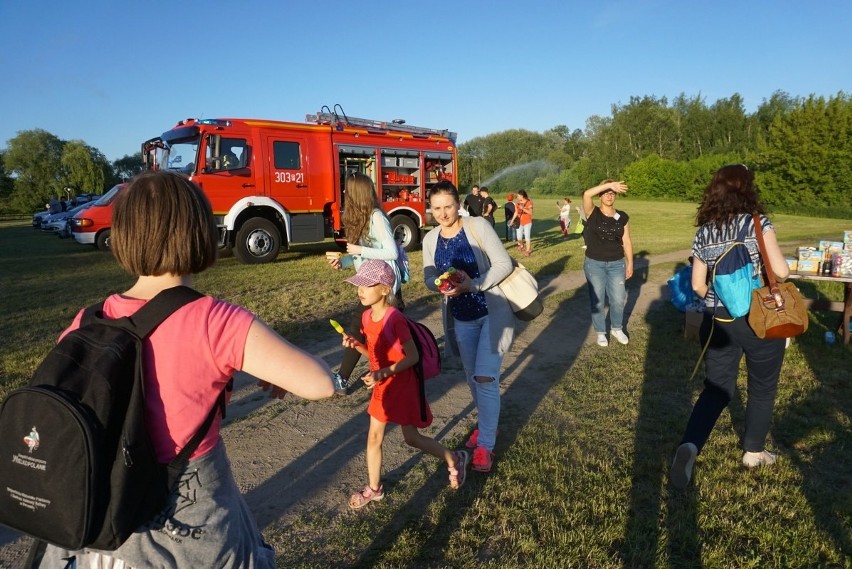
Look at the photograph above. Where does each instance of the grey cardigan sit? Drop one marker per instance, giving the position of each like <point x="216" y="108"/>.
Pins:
<point x="494" y="265"/>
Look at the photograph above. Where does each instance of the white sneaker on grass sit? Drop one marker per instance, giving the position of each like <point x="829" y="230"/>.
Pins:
<point x="619" y="335"/>
<point x="602" y="341"/>
<point x="755" y="459"/>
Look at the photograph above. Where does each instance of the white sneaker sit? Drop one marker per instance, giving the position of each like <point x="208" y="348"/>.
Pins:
<point x="602" y="341"/>
<point x="762" y="458"/>
<point x="620" y="336"/>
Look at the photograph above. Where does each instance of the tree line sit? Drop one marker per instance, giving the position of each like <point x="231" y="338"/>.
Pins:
<point x="800" y="149"/>
<point x="37" y="166"/>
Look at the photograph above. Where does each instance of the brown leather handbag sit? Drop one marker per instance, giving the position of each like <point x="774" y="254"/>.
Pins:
<point x="778" y="309"/>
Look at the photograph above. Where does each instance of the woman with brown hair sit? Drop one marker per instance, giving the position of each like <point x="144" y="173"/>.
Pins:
<point x="725" y="213"/>
<point x="369" y="236"/>
<point x="479" y="324"/>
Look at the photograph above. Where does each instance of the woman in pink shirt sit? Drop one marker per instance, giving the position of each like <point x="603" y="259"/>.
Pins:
<point x="163" y="232"/>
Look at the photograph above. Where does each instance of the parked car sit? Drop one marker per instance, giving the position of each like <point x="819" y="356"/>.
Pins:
<point x="58" y="222"/>
<point x="84" y="198"/>
<point x="39" y="217"/>
<point x="92" y="225"/>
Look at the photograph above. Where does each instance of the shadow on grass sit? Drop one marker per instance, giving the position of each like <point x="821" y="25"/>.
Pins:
<point x="663" y="409"/>
<point x="814" y="433"/>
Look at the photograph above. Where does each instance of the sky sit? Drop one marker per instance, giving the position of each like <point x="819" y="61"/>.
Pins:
<point x="114" y="74"/>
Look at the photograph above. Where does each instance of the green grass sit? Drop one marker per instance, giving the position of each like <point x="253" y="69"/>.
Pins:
<point x="582" y="482"/>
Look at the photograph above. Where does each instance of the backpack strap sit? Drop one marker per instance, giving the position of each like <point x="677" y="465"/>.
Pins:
<point x="152" y="314"/>
<point x="146" y="319"/>
<point x="183" y="456"/>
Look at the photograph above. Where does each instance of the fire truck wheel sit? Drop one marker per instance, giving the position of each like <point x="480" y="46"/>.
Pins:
<point x="103" y="240"/>
<point x="258" y="241"/>
<point x="405" y="232"/>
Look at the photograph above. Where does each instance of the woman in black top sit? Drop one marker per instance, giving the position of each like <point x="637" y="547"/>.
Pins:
<point x="609" y="258"/>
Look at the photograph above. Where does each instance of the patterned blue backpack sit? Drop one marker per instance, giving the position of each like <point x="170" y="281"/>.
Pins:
<point x="733" y="275"/>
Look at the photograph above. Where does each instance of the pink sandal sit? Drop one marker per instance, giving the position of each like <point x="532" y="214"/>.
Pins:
<point x="458" y="472"/>
<point x="365" y="496"/>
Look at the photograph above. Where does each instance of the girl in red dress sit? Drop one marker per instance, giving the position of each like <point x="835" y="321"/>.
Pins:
<point x="396" y="388"/>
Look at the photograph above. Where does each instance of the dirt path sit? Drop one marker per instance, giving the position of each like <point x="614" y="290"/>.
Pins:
<point x="293" y="456"/>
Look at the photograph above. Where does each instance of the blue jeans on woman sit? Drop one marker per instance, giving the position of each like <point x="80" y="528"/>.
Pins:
<point x="474" y="339"/>
<point x="606" y="283"/>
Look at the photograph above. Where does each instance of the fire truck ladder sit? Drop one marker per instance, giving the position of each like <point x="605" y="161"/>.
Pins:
<point x="375" y="126"/>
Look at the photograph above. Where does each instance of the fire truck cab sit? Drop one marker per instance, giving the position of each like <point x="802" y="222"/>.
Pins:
<point x="273" y="183"/>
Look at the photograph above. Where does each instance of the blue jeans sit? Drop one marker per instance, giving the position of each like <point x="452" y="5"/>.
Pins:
<point x="474" y="339"/>
<point x="606" y="283"/>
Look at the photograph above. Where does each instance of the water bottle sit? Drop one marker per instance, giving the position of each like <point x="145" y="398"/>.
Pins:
<point x="829" y="337"/>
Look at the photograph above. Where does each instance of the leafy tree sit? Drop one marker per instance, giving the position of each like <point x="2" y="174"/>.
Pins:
<point x="646" y="125"/>
<point x="804" y="161"/>
<point x="731" y="129"/>
<point x="7" y="184"/>
<point x="127" y="166"/>
<point x="779" y="103"/>
<point x="34" y="157"/>
<point x="85" y="168"/>
<point x="693" y="123"/>
<point x="562" y="184"/>
<point x="487" y="159"/>
<point x="655" y="177"/>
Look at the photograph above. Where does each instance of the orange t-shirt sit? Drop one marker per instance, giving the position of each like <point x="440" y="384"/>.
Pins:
<point x="525" y="209"/>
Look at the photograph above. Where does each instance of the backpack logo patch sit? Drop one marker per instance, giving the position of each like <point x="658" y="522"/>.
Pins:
<point x="32" y="440"/>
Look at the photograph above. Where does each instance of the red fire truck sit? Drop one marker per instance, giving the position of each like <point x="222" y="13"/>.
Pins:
<point x="274" y="183"/>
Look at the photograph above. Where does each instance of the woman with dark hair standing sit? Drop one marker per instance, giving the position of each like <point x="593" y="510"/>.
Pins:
<point x="479" y="324"/>
<point x="726" y="208"/>
<point x="609" y="258"/>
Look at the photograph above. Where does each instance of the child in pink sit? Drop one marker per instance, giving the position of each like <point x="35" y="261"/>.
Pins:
<point x="396" y="387"/>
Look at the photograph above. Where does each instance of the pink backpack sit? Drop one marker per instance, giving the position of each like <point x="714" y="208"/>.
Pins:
<point x="429" y="363"/>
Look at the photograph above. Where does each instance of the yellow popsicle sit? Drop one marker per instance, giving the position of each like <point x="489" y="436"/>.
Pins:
<point x="336" y="325"/>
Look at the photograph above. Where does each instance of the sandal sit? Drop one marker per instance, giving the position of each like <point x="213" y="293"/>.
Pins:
<point x="365" y="496"/>
<point x="458" y="472"/>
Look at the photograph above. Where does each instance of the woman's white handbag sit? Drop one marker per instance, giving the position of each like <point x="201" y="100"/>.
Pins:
<point x="521" y="290"/>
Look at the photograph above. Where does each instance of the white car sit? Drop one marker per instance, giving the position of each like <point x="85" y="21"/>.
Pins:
<point x="58" y="222"/>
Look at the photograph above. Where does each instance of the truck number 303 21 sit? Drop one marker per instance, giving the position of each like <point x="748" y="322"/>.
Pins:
<point x="287" y="177"/>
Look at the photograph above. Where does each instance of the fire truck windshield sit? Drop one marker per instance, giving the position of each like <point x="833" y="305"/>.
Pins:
<point x="178" y="155"/>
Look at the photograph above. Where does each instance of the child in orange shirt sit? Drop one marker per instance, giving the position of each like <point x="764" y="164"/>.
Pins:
<point x="396" y="388"/>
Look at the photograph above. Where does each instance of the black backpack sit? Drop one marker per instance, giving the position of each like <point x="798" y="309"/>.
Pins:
<point x="77" y="468"/>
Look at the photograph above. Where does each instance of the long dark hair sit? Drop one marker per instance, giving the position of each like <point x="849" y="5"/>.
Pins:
<point x="361" y="202"/>
<point x="730" y="193"/>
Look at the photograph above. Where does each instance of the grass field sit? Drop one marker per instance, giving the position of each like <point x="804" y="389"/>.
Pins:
<point x="580" y="483"/>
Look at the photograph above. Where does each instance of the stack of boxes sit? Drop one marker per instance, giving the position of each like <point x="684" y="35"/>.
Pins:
<point x="809" y="260"/>
<point x="831" y="258"/>
<point x="841" y="263"/>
